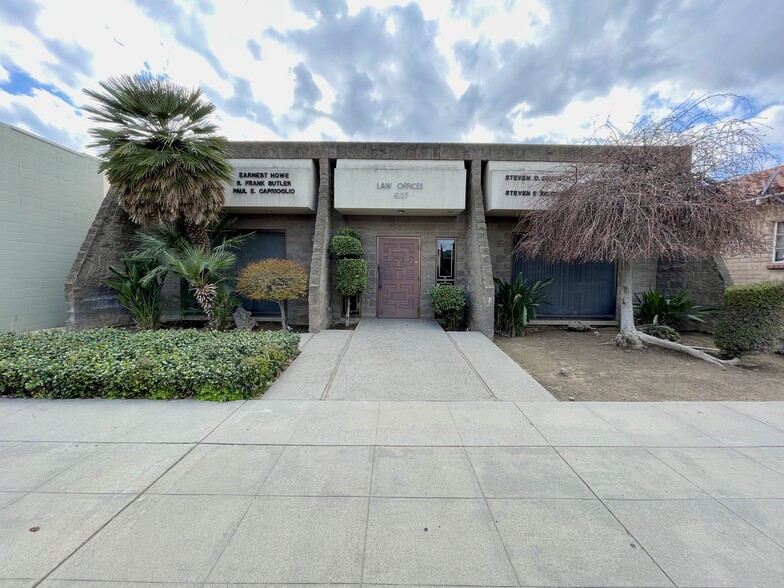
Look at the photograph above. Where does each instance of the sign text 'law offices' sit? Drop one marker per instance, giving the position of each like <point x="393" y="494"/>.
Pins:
<point x="512" y="186"/>
<point x="272" y="185"/>
<point x="416" y="187"/>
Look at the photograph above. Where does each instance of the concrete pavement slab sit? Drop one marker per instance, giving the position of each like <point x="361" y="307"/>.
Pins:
<point x="34" y="421"/>
<point x="7" y="498"/>
<point x="424" y="472"/>
<point x="102" y="420"/>
<point x="702" y="543"/>
<point x="261" y="422"/>
<point x="723" y="424"/>
<point x="21" y="583"/>
<point x="117" y="469"/>
<point x="321" y="471"/>
<point x="434" y="541"/>
<point x="26" y="466"/>
<point x="493" y="423"/>
<point x="773" y="457"/>
<point x="765" y="515"/>
<point x="220" y="469"/>
<point x="525" y="472"/>
<point x="571" y="543"/>
<point x="159" y="539"/>
<point x="308" y="375"/>
<point x="63" y="522"/>
<point x="338" y="423"/>
<point x="627" y="472"/>
<point x="647" y="426"/>
<point x="572" y="424"/>
<point x="723" y="473"/>
<point x="770" y="413"/>
<point x="506" y="379"/>
<point x="416" y="423"/>
<point x="11" y="405"/>
<point x="96" y="584"/>
<point x="183" y="421"/>
<point x="296" y="540"/>
<point x="404" y="360"/>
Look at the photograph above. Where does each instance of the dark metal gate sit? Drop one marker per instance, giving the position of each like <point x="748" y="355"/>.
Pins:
<point x="578" y="291"/>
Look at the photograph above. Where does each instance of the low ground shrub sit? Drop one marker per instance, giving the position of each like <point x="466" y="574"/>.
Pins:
<point x="112" y="363"/>
<point x="449" y="302"/>
<point x="751" y="319"/>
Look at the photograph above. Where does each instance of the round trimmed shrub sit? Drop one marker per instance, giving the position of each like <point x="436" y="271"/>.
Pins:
<point x="449" y="301"/>
<point x="351" y="276"/>
<point x="273" y="279"/>
<point x="348" y="232"/>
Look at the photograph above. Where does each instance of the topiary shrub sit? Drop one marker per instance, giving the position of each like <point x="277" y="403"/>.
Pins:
<point x="751" y="319"/>
<point x="351" y="277"/>
<point x="273" y="279"/>
<point x="344" y="246"/>
<point x="348" y="232"/>
<point x="449" y="302"/>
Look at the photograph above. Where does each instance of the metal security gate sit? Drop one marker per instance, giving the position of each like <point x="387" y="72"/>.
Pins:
<point x="578" y="291"/>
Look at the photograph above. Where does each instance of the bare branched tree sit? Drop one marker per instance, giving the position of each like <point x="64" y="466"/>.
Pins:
<point x="667" y="188"/>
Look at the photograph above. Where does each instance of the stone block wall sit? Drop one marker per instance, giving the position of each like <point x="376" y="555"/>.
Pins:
<point x="429" y="229"/>
<point x="89" y="302"/>
<point x="704" y="280"/>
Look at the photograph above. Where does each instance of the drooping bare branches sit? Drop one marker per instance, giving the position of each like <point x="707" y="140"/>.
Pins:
<point x="662" y="189"/>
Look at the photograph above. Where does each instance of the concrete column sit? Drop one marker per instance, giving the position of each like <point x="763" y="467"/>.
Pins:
<point x="320" y="271"/>
<point x="479" y="267"/>
<point x="89" y="302"/>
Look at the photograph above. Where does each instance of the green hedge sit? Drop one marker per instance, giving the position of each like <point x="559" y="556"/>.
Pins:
<point x="344" y="246"/>
<point x="351" y="276"/>
<point x="347" y="232"/>
<point x="751" y="319"/>
<point x="111" y="363"/>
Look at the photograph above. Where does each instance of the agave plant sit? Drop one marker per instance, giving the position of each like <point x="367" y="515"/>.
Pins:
<point x="516" y="303"/>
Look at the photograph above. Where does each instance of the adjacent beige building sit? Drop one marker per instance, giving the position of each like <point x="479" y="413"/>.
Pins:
<point x="49" y="196"/>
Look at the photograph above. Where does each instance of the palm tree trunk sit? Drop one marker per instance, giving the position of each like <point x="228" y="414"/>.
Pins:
<point x="197" y="234"/>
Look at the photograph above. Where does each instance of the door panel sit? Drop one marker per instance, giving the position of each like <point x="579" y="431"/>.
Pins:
<point x="398" y="277"/>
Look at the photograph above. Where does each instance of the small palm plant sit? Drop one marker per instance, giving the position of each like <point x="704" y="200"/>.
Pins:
<point x="204" y="270"/>
<point x="160" y="152"/>
<point x="516" y="303"/>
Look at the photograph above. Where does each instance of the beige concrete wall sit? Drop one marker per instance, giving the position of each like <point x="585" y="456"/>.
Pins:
<point x="749" y="269"/>
<point x="48" y="198"/>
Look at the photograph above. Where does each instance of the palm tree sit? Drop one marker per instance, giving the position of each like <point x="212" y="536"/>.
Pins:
<point x="204" y="270"/>
<point x="160" y="152"/>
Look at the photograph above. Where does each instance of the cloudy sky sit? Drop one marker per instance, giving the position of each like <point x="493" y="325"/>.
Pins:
<point x="430" y="70"/>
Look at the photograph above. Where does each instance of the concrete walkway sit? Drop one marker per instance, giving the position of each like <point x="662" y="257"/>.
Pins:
<point x="276" y="492"/>
<point x="404" y="360"/>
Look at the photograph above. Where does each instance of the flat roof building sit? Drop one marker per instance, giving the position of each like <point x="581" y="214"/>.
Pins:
<point x="427" y="213"/>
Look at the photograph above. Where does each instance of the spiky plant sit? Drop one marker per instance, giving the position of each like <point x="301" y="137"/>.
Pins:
<point x="204" y="270"/>
<point x="160" y="151"/>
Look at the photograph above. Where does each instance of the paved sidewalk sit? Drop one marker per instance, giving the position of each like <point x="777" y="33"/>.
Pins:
<point x="404" y="360"/>
<point x="140" y="493"/>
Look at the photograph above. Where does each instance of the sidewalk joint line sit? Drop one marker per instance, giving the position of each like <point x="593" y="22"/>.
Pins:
<point x="471" y="366"/>
<point x="337" y="365"/>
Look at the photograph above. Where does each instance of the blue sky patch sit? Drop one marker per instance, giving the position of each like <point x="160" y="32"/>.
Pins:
<point x="20" y="83"/>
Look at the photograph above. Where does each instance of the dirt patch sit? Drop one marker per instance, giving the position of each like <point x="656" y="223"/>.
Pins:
<point x="580" y="365"/>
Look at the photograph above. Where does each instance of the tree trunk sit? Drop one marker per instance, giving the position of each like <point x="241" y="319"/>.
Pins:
<point x="283" y="322"/>
<point x="629" y="335"/>
<point x="197" y="234"/>
<point x="348" y="309"/>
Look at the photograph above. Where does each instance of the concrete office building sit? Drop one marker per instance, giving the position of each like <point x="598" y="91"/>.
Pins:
<point x="48" y="199"/>
<point x="428" y="213"/>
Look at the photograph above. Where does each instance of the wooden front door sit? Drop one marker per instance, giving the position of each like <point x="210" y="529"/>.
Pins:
<point x="398" y="277"/>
